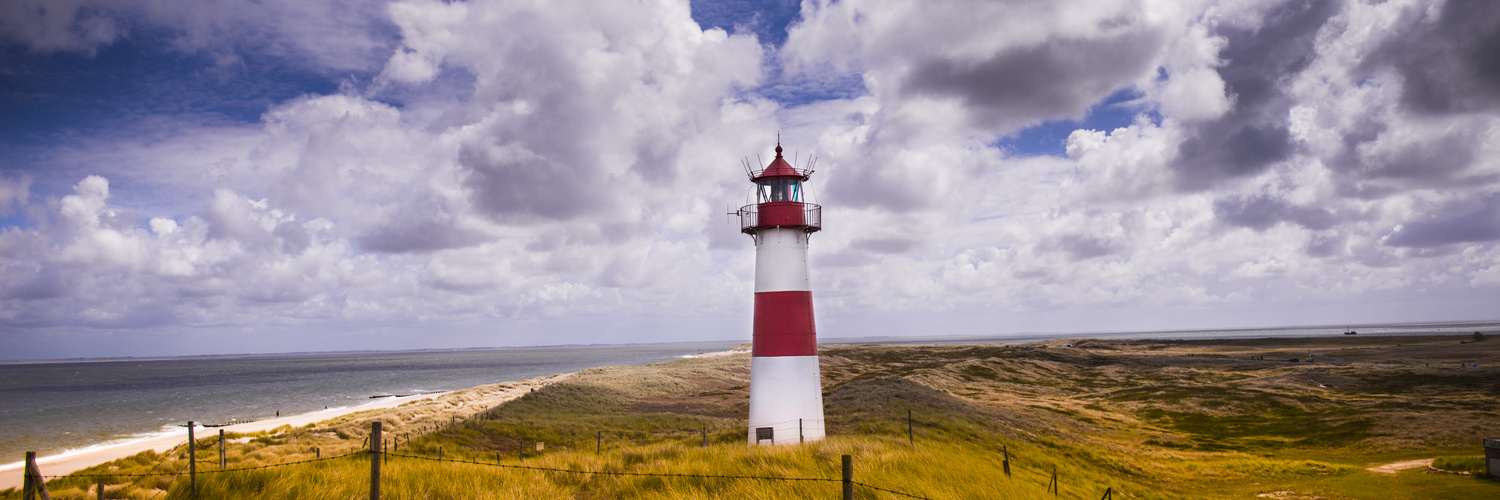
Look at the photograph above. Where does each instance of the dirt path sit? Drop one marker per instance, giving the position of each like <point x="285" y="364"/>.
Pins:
<point x="1394" y="467"/>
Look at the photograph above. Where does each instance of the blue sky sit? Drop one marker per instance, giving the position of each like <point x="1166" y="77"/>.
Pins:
<point x="454" y="174"/>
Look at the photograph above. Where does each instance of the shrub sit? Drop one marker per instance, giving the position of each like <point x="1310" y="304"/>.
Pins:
<point x="1471" y="464"/>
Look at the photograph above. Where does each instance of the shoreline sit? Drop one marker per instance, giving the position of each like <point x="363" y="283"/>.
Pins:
<point x="71" y="461"/>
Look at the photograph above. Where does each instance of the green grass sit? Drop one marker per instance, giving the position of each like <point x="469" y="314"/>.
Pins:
<point x="1282" y="427"/>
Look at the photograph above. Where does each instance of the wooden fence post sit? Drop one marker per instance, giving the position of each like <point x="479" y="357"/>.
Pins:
<point x="1006" y="463"/>
<point x="192" y="462"/>
<point x="440" y="453"/>
<point x="800" y="439"/>
<point x="599" y="443"/>
<point x="1107" y="492"/>
<point x="99" y="492"/>
<point x="33" y="485"/>
<point x="221" y="449"/>
<point x="28" y="485"/>
<point x="910" y="438"/>
<point x="705" y="435"/>
<point x="318" y="453"/>
<point x="848" y="462"/>
<point x="1053" y="487"/>
<point x="375" y="460"/>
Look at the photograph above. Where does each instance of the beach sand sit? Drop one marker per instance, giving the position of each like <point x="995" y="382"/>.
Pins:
<point x="445" y="405"/>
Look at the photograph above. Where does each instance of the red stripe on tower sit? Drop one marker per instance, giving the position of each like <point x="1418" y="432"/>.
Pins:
<point x="784" y="325"/>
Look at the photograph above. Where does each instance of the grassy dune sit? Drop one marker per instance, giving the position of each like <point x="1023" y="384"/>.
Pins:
<point x="1147" y="419"/>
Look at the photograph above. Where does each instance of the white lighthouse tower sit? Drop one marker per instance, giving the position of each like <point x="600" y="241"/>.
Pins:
<point x="786" y="393"/>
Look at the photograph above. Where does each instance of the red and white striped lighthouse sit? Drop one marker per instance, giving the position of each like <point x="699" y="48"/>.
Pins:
<point x="786" y="393"/>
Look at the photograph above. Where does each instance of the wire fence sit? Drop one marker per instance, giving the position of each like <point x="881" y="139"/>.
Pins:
<point x="652" y="474"/>
<point x="137" y="481"/>
<point x="32" y="486"/>
<point x="152" y="472"/>
<point x="1047" y="479"/>
<point x="608" y="472"/>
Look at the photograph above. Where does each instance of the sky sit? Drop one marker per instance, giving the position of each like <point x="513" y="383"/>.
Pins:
<point x="225" y="176"/>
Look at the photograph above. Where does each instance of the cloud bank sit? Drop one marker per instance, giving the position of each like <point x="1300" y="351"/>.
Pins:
<point x="521" y="173"/>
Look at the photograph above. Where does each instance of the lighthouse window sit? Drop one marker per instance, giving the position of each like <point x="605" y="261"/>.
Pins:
<point x="780" y="190"/>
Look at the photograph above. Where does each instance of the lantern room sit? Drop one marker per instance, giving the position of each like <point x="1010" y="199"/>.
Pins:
<point x="772" y="190"/>
<point x="780" y="200"/>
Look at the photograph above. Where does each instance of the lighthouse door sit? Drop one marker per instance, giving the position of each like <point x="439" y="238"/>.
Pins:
<point x="765" y="434"/>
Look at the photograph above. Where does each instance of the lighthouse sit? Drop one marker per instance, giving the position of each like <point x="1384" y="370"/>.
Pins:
<point x="786" y="393"/>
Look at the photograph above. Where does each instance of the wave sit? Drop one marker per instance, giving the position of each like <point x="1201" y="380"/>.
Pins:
<point x="165" y="431"/>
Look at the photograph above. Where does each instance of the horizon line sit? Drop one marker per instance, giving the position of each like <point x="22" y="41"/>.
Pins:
<point x="821" y="340"/>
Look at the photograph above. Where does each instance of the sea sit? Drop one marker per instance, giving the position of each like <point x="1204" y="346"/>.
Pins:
<point x="70" y="406"/>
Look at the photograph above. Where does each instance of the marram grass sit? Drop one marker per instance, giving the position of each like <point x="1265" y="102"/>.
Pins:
<point x="1466" y="463"/>
<point x="951" y="470"/>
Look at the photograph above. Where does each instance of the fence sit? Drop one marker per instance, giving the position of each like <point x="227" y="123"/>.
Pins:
<point x="34" y="484"/>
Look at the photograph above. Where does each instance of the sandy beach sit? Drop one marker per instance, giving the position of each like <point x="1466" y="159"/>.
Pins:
<point x="450" y="404"/>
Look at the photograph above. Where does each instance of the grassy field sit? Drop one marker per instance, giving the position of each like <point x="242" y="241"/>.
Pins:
<point x="1143" y="419"/>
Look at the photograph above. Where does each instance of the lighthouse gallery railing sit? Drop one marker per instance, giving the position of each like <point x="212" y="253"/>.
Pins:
<point x="781" y="214"/>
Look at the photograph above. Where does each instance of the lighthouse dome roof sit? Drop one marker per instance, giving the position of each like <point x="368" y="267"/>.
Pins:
<point x="780" y="169"/>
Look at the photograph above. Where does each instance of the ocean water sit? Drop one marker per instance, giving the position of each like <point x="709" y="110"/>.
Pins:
<point x="51" y="407"/>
